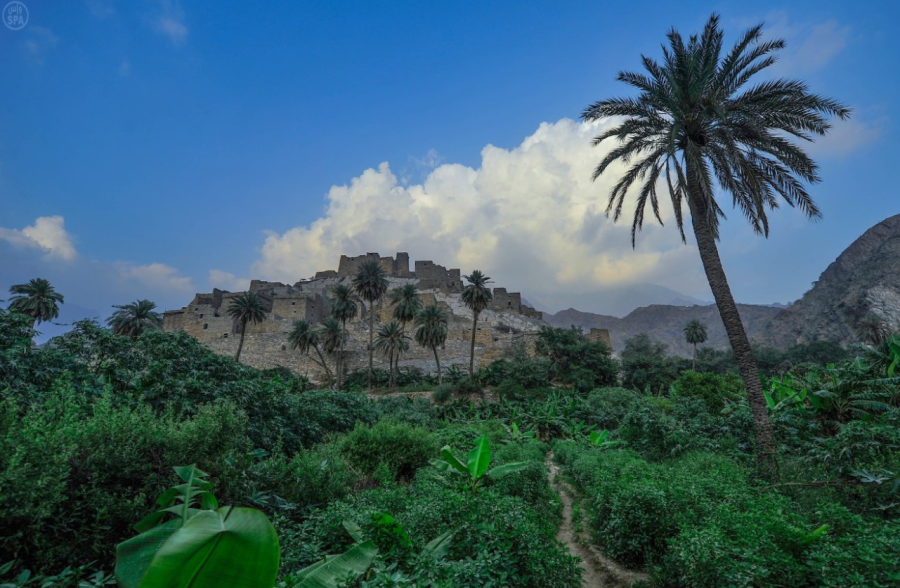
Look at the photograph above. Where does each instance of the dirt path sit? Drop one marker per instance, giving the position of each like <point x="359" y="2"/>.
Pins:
<point x="598" y="571"/>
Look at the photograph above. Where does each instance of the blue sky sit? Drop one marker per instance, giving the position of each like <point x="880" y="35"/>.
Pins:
<point x="187" y="145"/>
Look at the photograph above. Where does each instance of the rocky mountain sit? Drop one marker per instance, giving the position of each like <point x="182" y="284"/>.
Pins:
<point x="864" y="279"/>
<point x="665" y="323"/>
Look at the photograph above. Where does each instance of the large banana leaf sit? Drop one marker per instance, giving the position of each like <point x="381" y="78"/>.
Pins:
<point x="227" y="547"/>
<point x="326" y="573"/>
<point x="438" y="547"/>
<point x="480" y="457"/>
<point x="507" y="468"/>
<point x="451" y="460"/>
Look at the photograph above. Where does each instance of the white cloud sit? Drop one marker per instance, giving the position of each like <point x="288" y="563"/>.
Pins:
<point x="157" y="276"/>
<point x="101" y="9"/>
<point x="170" y="22"/>
<point x="48" y="234"/>
<point x="530" y="217"/>
<point x="227" y="281"/>
<point x="810" y="46"/>
<point x="38" y="43"/>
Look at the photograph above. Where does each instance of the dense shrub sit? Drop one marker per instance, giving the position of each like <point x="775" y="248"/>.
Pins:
<point x="575" y="360"/>
<point x="529" y="484"/>
<point x="75" y="476"/>
<point x="309" y="417"/>
<point x="605" y="408"/>
<point x="698" y="521"/>
<point x="714" y="390"/>
<point x="442" y="393"/>
<point x="418" y="412"/>
<point x="399" y="447"/>
<point x="498" y="540"/>
<point x="646" y="367"/>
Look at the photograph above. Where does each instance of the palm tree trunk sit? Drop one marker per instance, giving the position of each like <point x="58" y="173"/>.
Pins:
<point x="472" y="351"/>
<point x="437" y="362"/>
<point x="340" y="363"/>
<point x="737" y="336"/>
<point x="694" y="359"/>
<point x="322" y="359"/>
<point x="237" y="356"/>
<point x="371" y="335"/>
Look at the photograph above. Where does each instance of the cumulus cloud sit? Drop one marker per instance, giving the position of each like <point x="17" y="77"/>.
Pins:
<point x="48" y="234"/>
<point x="38" y="43"/>
<point x="227" y="281"/>
<point x="530" y="217"/>
<point x="158" y="276"/>
<point x="845" y="137"/>
<point x="170" y="22"/>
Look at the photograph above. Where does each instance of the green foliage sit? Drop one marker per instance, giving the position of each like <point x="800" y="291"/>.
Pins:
<point x="605" y="408"/>
<point x="135" y="318"/>
<point x="645" y="365"/>
<point x="498" y="540"/>
<point x="715" y="391"/>
<point x="575" y="360"/>
<point x="71" y="577"/>
<point x="401" y="448"/>
<point x="475" y="469"/>
<point x="37" y="299"/>
<point x="442" y="393"/>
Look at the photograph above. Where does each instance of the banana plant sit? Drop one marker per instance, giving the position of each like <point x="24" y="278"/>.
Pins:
<point x="517" y="435"/>
<point x="475" y="470"/>
<point x="601" y="439"/>
<point x="388" y="526"/>
<point x="207" y="546"/>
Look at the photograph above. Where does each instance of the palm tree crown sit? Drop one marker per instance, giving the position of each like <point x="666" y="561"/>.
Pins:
<point x="695" y="332"/>
<point x="332" y="335"/>
<point x="371" y="284"/>
<point x="245" y="308"/>
<point x="431" y="332"/>
<point x="135" y="318"/>
<point x="343" y="309"/>
<point x="390" y="342"/>
<point x="406" y="303"/>
<point x="694" y="116"/>
<point x="477" y="296"/>
<point x="303" y="338"/>
<point x="37" y="299"/>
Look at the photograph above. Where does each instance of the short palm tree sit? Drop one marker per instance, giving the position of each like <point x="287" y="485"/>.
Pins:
<point x="431" y="332"/>
<point x="871" y="330"/>
<point x="370" y="284"/>
<point x="476" y="296"/>
<point x="303" y="338"/>
<point x="391" y="342"/>
<point x="135" y="318"/>
<point x="406" y="304"/>
<point x="695" y="334"/>
<point x="343" y="309"/>
<point x="332" y="337"/>
<point x="245" y="308"/>
<point x="695" y="126"/>
<point x="37" y="299"/>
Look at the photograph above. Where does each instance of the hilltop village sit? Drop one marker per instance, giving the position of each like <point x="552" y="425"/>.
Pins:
<point x="507" y="320"/>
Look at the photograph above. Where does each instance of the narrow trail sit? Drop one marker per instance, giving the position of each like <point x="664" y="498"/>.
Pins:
<point x="597" y="571"/>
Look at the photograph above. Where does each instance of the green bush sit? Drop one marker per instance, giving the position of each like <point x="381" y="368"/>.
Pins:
<point x="575" y="360"/>
<point x="402" y="448"/>
<point x="75" y="475"/>
<point x="605" y="408"/>
<point x="442" y="393"/>
<point x="418" y="412"/>
<point x="699" y="521"/>
<point x="714" y="390"/>
<point x="469" y="386"/>
<point x="498" y="540"/>
<point x="529" y="484"/>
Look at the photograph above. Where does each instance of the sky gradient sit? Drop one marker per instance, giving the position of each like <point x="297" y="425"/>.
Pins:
<point x="158" y="148"/>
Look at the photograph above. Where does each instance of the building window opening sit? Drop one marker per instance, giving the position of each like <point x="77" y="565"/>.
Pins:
<point x="205" y="326"/>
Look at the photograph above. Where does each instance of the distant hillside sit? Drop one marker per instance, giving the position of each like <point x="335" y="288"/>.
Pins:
<point x="665" y="323"/>
<point x="863" y="279"/>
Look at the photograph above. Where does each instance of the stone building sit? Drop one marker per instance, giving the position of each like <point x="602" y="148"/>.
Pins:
<point x="266" y="344"/>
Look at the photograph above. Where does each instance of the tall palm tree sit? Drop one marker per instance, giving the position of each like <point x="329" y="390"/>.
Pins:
<point x="303" y="338"/>
<point x="871" y="330"/>
<point x="343" y="309"/>
<point x="696" y="124"/>
<point x="37" y="299"/>
<point x="431" y="332"/>
<point x="370" y="284"/>
<point x="406" y="304"/>
<point x="332" y="336"/>
<point x="476" y="296"/>
<point x="245" y="308"/>
<point x="391" y="342"/>
<point x="695" y="333"/>
<point x="135" y="318"/>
